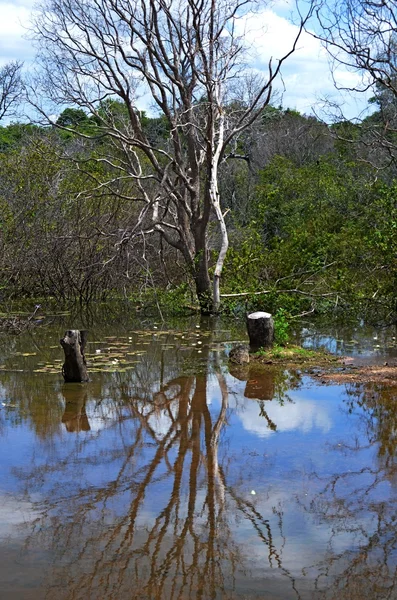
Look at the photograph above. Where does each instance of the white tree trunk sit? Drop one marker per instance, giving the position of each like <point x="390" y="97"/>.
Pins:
<point x="216" y="296"/>
<point x="215" y="199"/>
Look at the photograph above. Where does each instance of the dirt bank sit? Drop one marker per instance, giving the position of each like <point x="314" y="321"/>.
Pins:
<point x="351" y="371"/>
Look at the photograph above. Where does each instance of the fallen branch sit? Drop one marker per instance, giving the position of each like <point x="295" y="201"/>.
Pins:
<point x="292" y="291"/>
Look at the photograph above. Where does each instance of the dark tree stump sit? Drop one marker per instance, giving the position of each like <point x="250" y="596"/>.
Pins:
<point x="260" y="329"/>
<point x="74" y="368"/>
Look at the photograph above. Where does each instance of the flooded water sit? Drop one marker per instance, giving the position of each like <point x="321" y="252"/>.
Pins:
<point x="169" y="476"/>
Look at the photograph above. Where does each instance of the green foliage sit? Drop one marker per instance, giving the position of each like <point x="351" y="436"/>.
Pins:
<point x="281" y="327"/>
<point x="12" y="135"/>
<point x="326" y="227"/>
<point x="294" y="355"/>
<point x="72" y="117"/>
<point x="274" y="352"/>
<point x="321" y="235"/>
<point x="308" y="235"/>
<point x="244" y="261"/>
<point x="76" y="120"/>
<point x="176" y="301"/>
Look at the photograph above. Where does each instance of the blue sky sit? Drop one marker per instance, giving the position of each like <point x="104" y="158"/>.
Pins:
<point x="306" y="74"/>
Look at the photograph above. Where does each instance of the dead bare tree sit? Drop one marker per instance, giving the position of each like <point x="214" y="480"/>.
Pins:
<point x="11" y="88"/>
<point x="360" y="35"/>
<point x="182" y="56"/>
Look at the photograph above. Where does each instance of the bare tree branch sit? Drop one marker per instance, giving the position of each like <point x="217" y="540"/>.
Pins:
<point x="185" y="55"/>
<point x="11" y="89"/>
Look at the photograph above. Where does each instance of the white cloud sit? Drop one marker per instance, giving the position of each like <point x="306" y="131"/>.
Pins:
<point x="161" y="422"/>
<point x="14" y="513"/>
<point x="303" y="415"/>
<point x="272" y="36"/>
<point x="14" y="17"/>
<point x="13" y="27"/>
<point x="306" y="73"/>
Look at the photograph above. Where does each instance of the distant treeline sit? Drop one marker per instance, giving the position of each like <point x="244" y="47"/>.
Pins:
<point x="310" y="209"/>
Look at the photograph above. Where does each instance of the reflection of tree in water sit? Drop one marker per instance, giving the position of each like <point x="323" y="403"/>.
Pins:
<point x="27" y="400"/>
<point x="378" y="418"/>
<point x="150" y="502"/>
<point x="361" y="502"/>
<point x="153" y="519"/>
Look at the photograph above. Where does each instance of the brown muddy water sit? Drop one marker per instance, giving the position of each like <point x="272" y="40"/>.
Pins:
<point x="170" y="477"/>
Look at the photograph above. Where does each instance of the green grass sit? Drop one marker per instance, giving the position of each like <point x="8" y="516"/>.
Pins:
<point x="292" y="354"/>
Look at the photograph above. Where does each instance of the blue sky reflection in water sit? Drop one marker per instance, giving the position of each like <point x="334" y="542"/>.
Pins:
<point x="176" y="479"/>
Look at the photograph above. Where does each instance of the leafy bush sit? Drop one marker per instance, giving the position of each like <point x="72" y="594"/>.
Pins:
<point x="281" y="327"/>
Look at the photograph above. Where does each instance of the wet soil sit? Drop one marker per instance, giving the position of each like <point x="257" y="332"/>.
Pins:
<point x="352" y="371"/>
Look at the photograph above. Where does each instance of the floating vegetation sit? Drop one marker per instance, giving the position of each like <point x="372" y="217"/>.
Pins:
<point x="50" y="370"/>
<point x="112" y="354"/>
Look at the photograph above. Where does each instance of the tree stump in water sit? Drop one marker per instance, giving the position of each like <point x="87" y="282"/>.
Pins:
<point x="74" y="368"/>
<point x="260" y="327"/>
